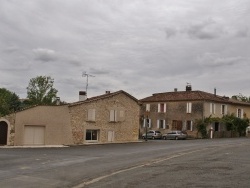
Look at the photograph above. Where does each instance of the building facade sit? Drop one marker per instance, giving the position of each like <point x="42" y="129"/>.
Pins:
<point x="112" y="117"/>
<point x="179" y="110"/>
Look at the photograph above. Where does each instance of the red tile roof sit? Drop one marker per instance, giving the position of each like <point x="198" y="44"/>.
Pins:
<point x="190" y="96"/>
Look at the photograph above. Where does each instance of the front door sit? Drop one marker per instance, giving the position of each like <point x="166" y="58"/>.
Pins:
<point x="177" y="125"/>
<point x="3" y="133"/>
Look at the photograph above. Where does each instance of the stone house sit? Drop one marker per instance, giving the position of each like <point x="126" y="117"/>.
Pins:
<point x="179" y="110"/>
<point x="112" y="117"/>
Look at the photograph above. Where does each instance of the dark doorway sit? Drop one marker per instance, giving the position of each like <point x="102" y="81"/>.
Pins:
<point x="3" y="133"/>
<point x="216" y="126"/>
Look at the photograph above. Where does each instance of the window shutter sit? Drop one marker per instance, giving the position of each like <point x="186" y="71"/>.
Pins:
<point x="144" y="122"/>
<point x="225" y="109"/>
<point x="191" y="127"/>
<point x="242" y="113"/>
<point x="211" y="107"/>
<point x="214" y="108"/>
<point x="165" y="107"/>
<point x="159" y="107"/>
<point x="148" y="107"/>
<point x="113" y="114"/>
<point x="221" y="109"/>
<point x="158" y="123"/>
<point x="190" y="107"/>
<point x="91" y="114"/>
<point x="164" y="124"/>
<point x="149" y="126"/>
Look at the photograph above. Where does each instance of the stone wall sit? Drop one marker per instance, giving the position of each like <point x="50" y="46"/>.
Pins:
<point x="125" y="130"/>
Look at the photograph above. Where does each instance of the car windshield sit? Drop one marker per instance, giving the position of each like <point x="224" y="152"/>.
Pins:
<point x="157" y="131"/>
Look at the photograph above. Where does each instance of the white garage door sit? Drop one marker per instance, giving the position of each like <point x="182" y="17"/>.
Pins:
<point x="34" y="135"/>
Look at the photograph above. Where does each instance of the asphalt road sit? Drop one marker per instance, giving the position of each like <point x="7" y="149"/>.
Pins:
<point x="158" y="163"/>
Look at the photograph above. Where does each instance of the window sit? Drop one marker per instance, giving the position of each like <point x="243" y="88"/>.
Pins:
<point x="162" y="107"/>
<point x="189" y="107"/>
<point x="161" y="124"/>
<point x="212" y="108"/>
<point x="147" y="122"/>
<point x="113" y="115"/>
<point x="91" y="114"/>
<point x="189" y="125"/>
<point x="223" y="109"/>
<point x="116" y="115"/>
<point x="92" y="135"/>
<point x="148" y="107"/>
<point x="240" y="113"/>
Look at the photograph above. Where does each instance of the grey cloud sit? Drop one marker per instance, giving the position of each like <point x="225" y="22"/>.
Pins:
<point x="208" y="29"/>
<point x="170" y="32"/>
<point x="243" y="33"/>
<point x="44" y="55"/>
<point x="11" y="49"/>
<point x="213" y="60"/>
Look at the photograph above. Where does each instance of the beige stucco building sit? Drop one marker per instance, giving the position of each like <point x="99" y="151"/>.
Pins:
<point x="112" y="117"/>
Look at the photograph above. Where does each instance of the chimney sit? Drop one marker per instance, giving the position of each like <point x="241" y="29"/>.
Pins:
<point x="107" y="92"/>
<point x="214" y="91"/>
<point x="82" y="95"/>
<point x="175" y="89"/>
<point x="188" y="87"/>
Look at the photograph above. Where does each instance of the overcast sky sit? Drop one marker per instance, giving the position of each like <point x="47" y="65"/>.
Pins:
<point x="139" y="46"/>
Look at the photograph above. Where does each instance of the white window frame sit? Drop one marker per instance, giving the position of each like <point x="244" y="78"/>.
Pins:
<point x="113" y="115"/>
<point x="164" y="107"/>
<point x="145" y="123"/>
<point x="164" y="123"/>
<point x="212" y="108"/>
<point x="191" y="125"/>
<point x="241" y="112"/>
<point x="225" y="109"/>
<point x="189" y="107"/>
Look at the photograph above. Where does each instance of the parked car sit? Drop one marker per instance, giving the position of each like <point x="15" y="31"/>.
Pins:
<point x="152" y="134"/>
<point x="175" y="135"/>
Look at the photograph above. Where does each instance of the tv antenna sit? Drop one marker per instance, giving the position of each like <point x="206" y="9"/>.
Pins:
<point x="84" y="74"/>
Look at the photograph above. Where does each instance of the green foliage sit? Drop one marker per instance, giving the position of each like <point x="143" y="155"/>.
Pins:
<point x="202" y="124"/>
<point x="241" y="97"/>
<point x="234" y="123"/>
<point x="40" y="91"/>
<point x="9" y="102"/>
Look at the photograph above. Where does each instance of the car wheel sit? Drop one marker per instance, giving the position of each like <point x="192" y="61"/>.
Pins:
<point x="164" y="138"/>
<point x="176" y="138"/>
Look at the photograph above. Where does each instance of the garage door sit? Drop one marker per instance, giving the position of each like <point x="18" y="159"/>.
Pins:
<point x="34" y="135"/>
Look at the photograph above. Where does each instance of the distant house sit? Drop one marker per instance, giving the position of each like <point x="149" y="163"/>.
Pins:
<point x="178" y="110"/>
<point x="112" y="117"/>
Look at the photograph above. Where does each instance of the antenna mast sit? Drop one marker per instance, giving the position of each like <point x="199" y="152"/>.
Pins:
<point x="84" y="74"/>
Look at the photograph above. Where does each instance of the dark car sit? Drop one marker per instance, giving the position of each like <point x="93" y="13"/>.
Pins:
<point x="175" y="135"/>
<point x="152" y="134"/>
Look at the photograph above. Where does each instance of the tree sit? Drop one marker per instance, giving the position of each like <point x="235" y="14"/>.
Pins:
<point x="40" y="90"/>
<point x="241" y="97"/>
<point x="9" y="102"/>
<point x="234" y="123"/>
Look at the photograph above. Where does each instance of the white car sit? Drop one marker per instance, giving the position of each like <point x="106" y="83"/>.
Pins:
<point x="152" y="134"/>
